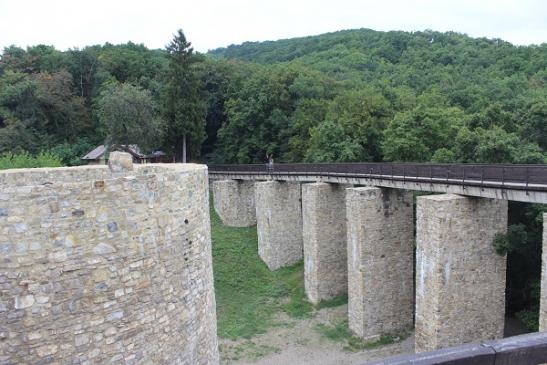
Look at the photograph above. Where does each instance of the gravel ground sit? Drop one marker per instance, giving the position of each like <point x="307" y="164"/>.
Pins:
<point x="297" y="342"/>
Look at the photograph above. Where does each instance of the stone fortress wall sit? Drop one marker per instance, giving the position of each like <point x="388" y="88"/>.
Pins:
<point x="101" y="266"/>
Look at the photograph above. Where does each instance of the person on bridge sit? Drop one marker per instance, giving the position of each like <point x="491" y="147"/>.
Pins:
<point x="270" y="163"/>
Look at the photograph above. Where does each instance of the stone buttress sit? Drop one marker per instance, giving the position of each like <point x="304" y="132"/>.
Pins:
<point x="460" y="280"/>
<point x="380" y="237"/>
<point x="543" y="300"/>
<point x="279" y="223"/>
<point x="234" y="202"/>
<point x="325" y="248"/>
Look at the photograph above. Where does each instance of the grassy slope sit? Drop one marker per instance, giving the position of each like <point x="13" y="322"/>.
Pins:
<point x="247" y="293"/>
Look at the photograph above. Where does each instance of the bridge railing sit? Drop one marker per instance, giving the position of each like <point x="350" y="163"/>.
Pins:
<point x="515" y="176"/>
<point x="529" y="349"/>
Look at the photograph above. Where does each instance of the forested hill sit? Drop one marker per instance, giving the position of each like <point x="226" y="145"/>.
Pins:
<point x="354" y="95"/>
<point x="367" y="95"/>
<point x="367" y="50"/>
<point x="419" y="60"/>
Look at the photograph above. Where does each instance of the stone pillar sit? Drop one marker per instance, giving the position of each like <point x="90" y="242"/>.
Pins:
<point x="234" y="202"/>
<point x="460" y="280"/>
<point x="543" y="300"/>
<point x="279" y="223"/>
<point x="325" y="248"/>
<point x="380" y="234"/>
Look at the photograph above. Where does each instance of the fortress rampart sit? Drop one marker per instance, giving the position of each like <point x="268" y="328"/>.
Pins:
<point x="99" y="266"/>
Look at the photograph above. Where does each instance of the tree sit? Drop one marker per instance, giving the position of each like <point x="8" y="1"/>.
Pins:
<point x="185" y="105"/>
<point x="128" y="115"/>
<point x="416" y="135"/>
<point x="329" y="142"/>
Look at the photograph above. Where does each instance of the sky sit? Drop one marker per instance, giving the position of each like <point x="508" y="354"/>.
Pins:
<point x="209" y="24"/>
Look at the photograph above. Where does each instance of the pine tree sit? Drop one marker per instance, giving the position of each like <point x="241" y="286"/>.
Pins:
<point x="185" y="106"/>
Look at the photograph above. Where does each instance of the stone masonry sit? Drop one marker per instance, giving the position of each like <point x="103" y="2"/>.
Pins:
<point x="460" y="280"/>
<point x="325" y="248"/>
<point x="380" y="237"/>
<point x="279" y="223"/>
<point x="104" y="267"/>
<point x="234" y="202"/>
<point x="543" y="301"/>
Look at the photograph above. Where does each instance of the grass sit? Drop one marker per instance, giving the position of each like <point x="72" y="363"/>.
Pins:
<point x="340" y="332"/>
<point x="248" y="294"/>
<point x="249" y="350"/>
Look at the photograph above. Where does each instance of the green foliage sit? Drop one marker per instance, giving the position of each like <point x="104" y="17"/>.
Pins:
<point x="530" y="318"/>
<point x="184" y="99"/>
<point x="515" y="239"/>
<point x="356" y="95"/>
<point x="128" y="115"/>
<point x="416" y="135"/>
<point x="9" y="160"/>
<point x="71" y="153"/>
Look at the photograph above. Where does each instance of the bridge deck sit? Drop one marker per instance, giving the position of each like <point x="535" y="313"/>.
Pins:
<point x="527" y="183"/>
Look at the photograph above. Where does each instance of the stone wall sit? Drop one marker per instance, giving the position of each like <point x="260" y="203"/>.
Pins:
<point x="460" y="280"/>
<point x="234" y="202"/>
<point x="105" y="267"/>
<point x="543" y="301"/>
<point x="279" y="223"/>
<point x="325" y="248"/>
<point x="380" y="237"/>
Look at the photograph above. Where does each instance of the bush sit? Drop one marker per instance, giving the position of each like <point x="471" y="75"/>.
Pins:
<point x="71" y="153"/>
<point x="530" y="318"/>
<point x="516" y="239"/>
<point x="26" y="160"/>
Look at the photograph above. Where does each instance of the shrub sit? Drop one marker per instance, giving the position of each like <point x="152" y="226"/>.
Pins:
<point x="26" y="160"/>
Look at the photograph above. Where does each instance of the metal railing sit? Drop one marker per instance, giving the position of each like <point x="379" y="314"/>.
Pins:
<point x="521" y="177"/>
<point x="529" y="349"/>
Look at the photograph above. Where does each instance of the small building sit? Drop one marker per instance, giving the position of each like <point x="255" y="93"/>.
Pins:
<point x="97" y="155"/>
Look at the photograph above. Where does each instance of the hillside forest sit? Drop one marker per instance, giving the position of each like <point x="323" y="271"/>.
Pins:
<point x="354" y="95"/>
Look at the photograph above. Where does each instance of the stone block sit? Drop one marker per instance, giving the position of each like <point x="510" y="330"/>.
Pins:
<point x="279" y="223"/>
<point x="120" y="161"/>
<point x="543" y="299"/>
<point x="380" y="231"/>
<point x="234" y="202"/>
<point x="324" y="236"/>
<point x="460" y="279"/>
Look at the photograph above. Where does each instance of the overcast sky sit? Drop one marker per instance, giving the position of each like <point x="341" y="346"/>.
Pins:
<point x="210" y="24"/>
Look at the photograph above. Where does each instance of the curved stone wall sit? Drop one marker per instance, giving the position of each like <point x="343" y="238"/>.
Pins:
<point x="101" y="267"/>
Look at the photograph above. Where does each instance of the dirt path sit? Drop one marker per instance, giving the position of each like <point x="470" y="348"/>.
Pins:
<point x="298" y="342"/>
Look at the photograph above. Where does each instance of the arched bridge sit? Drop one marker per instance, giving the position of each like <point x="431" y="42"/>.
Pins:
<point x="525" y="183"/>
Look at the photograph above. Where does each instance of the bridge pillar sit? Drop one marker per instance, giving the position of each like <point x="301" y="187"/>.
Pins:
<point x="543" y="301"/>
<point x="325" y="248"/>
<point x="380" y="239"/>
<point x="279" y="223"/>
<point x="460" y="280"/>
<point x="234" y="202"/>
